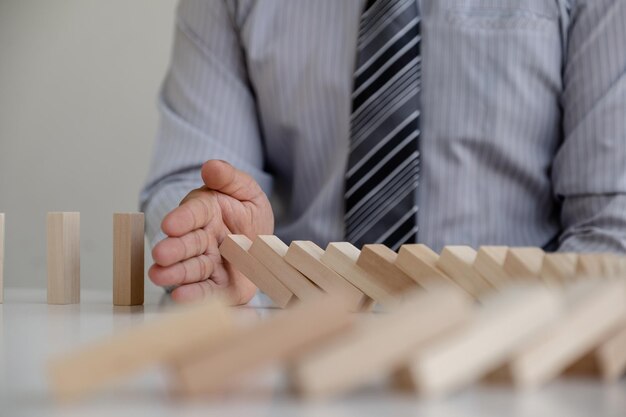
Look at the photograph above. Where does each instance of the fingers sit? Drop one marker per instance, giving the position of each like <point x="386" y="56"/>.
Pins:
<point x="223" y="177"/>
<point x="192" y="214"/>
<point x="175" y="249"/>
<point x="191" y="270"/>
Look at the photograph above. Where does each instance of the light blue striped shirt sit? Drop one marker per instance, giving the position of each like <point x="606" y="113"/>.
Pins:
<point x="523" y="116"/>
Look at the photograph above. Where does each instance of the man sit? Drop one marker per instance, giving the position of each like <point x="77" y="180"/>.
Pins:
<point x="439" y="121"/>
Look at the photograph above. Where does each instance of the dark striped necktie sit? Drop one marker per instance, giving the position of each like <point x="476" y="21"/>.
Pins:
<point x="383" y="163"/>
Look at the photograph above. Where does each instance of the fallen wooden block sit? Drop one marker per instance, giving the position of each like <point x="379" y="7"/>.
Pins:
<point x="380" y="346"/>
<point x="559" y="268"/>
<point x="489" y="264"/>
<point x="306" y="256"/>
<point x="457" y="263"/>
<point x="419" y="262"/>
<point x="63" y="258"/>
<point x="128" y="259"/>
<point x="269" y="250"/>
<point x="342" y="258"/>
<point x="270" y="341"/>
<point x="504" y="320"/>
<point x="379" y="261"/>
<point x="235" y="249"/>
<point x="594" y="310"/>
<point x="80" y="372"/>
<point x="524" y="262"/>
<point x="1" y="258"/>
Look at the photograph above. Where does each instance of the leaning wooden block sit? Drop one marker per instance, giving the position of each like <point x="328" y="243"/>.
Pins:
<point x="611" y="355"/>
<point x="457" y="262"/>
<point x="128" y="259"/>
<point x="80" y="372"/>
<point x="489" y="263"/>
<point x="269" y="250"/>
<point x="419" y="262"/>
<point x="380" y="346"/>
<point x="306" y="256"/>
<point x="559" y="268"/>
<point x="599" y="265"/>
<point x="268" y="342"/>
<point x="63" y="258"/>
<point x="596" y="309"/>
<point x="379" y="261"/>
<point x="342" y="258"/>
<point x="504" y="320"/>
<point x="524" y="262"/>
<point x="235" y="250"/>
<point x="1" y="257"/>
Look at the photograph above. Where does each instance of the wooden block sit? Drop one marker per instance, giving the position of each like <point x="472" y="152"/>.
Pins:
<point x="128" y="259"/>
<point x="504" y="320"/>
<point x="419" y="262"/>
<point x="234" y="249"/>
<point x="457" y="263"/>
<point x="1" y="258"/>
<point x="594" y="309"/>
<point x="80" y="372"/>
<point x="611" y="355"/>
<point x="380" y="346"/>
<point x="489" y="264"/>
<point x="379" y="261"/>
<point x="269" y="250"/>
<point x="63" y="258"/>
<point x="559" y="268"/>
<point x="342" y="258"/>
<point x="599" y="265"/>
<point x="270" y="341"/>
<point x="306" y="256"/>
<point x="524" y="262"/>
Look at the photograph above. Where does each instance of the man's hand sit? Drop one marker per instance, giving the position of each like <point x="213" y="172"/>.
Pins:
<point x="230" y="202"/>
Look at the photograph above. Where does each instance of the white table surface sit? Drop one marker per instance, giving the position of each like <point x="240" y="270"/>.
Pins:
<point x="31" y="332"/>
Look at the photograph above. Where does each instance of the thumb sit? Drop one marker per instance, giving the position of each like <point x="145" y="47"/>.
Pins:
<point x="221" y="176"/>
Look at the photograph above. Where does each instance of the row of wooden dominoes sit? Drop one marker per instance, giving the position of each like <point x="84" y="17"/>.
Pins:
<point x="63" y="257"/>
<point x="452" y="319"/>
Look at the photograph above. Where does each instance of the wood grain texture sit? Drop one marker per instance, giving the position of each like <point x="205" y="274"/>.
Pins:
<point x="379" y="346"/>
<point x="379" y="261"/>
<point x="270" y="250"/>
<point x="274" y="340"/>
<point x="593" y="310"/>
<point x="489" y="264"/>
<point x="128" y="259"/>
<point x="419" y="262"/>
<point x="1" y="258"/>
<point x="501" y="324"/>
<point x="80" y="372"/>
<point x="457" y="263"/>
<point x="235" y="249"/>
<point x="306" y="256"/>
<point x="63" y="257"/>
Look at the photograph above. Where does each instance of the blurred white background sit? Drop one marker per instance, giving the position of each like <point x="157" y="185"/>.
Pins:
<point x="78" y="87"/>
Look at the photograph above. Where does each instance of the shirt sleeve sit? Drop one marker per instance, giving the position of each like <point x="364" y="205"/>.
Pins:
<point x="207" y="110"/>
<point x="589" y="170"/>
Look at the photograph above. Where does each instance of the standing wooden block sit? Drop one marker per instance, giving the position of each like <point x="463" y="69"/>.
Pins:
<point x="306" y="257"/>
<point x="559" y="268"/>
<point x="128" y="259"/>
<point x="342" y="257"/>
<point x="503" y="322"/>
<point x="269" y="250"/>
<point x="1" y="258"/>
<point x="457" y="262"/>
<point x="270" y="341"/>
<point x="379" y="261"/>
<point x="419" y="262"/>
<point x="524" y="263"/>
<point x="63" y="258"/>
<point x="380" y="346"/>
<point x="235" y="250"/>
<point x="595" y="309"/>
<point x="80" y="372"/>
<point x="489" y="264"/>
